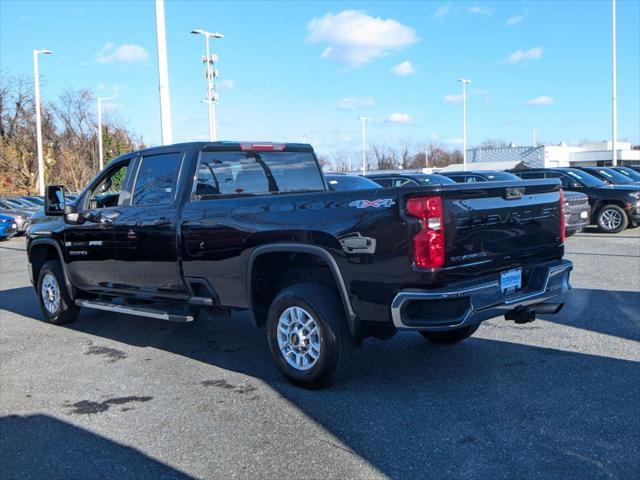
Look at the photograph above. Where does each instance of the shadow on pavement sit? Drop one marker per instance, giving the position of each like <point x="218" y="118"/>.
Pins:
<point x="611" y="312"/>
<point x="40" y="446"/>
<point x="479" y="409"/>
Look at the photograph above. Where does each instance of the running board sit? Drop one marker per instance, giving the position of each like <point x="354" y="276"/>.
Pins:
<point x="131" y="310"/>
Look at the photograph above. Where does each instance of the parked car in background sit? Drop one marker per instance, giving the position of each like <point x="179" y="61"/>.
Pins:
<point x="22" y="216"/>
<point x="37" y="201"/>
<point x="341" y="182"/>
<point x="480" y="176"/>
<point x="8" y="227"/>
<point x="634" y="167"/>
<point x="391" y="179"/>
<point x="609" y="175"/>
<point x="17" y="203"/>
<point x="576" y="212"/>
<point x="22" y="219"/>
<point x="629" y="172"/>
<point x="613" y="207"/>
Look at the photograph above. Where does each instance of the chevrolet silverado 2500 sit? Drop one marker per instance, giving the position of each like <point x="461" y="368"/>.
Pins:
<point x="171" y="231"/>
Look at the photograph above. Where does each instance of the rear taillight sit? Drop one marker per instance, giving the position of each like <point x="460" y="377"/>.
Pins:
<point x="428" y="244"/>
<point x="562" y="215"/>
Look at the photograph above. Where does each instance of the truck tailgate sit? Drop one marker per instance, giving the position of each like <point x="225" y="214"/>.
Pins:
<point x="501" y="223"/>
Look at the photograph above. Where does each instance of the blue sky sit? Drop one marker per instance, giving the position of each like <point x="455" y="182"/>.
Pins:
<point x="306" y="70"/>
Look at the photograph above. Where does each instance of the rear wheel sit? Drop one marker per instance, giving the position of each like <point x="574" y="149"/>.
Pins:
<point x="612" y="219"/>
<point x="450" y="336"/>
<point x="55" y="302"/>
<point x="308" y="335"/>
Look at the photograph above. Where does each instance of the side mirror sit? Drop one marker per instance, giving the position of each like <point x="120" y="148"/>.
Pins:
<point x="575" y="185"/>
<point x="54" y="201"/>
<point x="106" y="185"/>
<point x="72" y="216"/>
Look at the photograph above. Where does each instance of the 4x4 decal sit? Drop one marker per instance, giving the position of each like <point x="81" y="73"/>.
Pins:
<point x="380" y="202"/>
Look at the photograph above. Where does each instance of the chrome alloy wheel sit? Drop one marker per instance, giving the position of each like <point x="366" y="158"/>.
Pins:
<point x="299" y="338"/>
<point x="611" y="219"/>
<point x="50" y="292"/>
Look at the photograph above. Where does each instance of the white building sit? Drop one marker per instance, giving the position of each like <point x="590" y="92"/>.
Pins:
<point x="548" y="156"/>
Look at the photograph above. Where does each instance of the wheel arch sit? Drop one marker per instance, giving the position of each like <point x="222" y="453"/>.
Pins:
<point x="292" y="248"/>
<point x="42" y="250"/>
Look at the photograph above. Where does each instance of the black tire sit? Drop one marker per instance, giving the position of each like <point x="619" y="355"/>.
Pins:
<point x="335" y="341"/>
<point x="450" y="336"/>
<point x="612" y="219"/>
<point x="66" y="310"/>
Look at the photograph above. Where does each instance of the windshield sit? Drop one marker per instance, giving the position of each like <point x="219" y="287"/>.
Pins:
<point x="499" y="176"/>
<point x="340" y="183"/>
<point x="629" y="172"/>
<point x="610" y="175"/>
<point x="431" y="179"/>
<point x="35" y="200"/>
<point x="585" y="178"/>
<point x="13" y="203"/>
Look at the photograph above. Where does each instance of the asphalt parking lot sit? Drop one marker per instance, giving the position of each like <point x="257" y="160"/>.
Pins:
<point x="114" y="396"/>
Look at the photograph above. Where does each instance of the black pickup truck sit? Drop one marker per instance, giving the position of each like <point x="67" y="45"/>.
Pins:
<point x="224" y="227"/>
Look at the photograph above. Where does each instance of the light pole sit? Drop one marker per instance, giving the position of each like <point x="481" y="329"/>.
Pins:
<point x="210" y="73"/>
<point x="163" y="75"/>
<point x="363" y="121"/>
<point x="464" y="122"/>
<point x="36" y="83"/>
<point x="614" y="112"/>
<point x="100" y="155"/>
<point x="535" y="141"/>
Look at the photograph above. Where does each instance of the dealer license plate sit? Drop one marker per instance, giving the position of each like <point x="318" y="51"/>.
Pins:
<point x="511" y="280"/>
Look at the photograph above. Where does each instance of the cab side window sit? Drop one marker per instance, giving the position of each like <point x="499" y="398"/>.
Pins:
<point x="383" y="182"/>
<point x="157" y="178"/>
<point x="108" y="192"/>
<point x="458" y="178"/>
<point x="529" y="175"/>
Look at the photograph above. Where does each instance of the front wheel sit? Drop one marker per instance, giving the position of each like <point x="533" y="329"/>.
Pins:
<point x="450" y="336"/>
<point x="308" y="336"/>
<point x="612" y="219"/>
<point x="55" y="302"/>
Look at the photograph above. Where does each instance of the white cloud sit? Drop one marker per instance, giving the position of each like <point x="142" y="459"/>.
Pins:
<point x="478" y="10"/>
<point x="354" y="38"/>
<point x="399" y="118"/>
<point x="541" y="100"/>
<point x="533" y="53"/>
<point x="452" y="98"/>
<point x="403" y="69"/>
<point x="514" y="20"/>
<point x="442" y="11"/>
<point x="125" y="53"/>
<point x="351" y="103"/>
<point x="225" y="84"/>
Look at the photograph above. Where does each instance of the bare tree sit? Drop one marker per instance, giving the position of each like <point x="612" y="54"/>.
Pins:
<point x="69" y="134"/>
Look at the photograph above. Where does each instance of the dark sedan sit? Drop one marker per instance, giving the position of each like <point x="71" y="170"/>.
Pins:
<point x="341" y="182"/>
<point x="394" y="179"/>
<point x="480" y="176"/>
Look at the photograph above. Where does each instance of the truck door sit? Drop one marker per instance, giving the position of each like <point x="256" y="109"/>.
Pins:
<point x="145" y="233"/>
<point x="89" y="246"/>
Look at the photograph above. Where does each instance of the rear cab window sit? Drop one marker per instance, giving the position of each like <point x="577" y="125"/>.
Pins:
<point x="256" y="173"/>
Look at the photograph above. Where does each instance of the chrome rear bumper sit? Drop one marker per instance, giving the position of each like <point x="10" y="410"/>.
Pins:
<point x="470" y="303"/>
